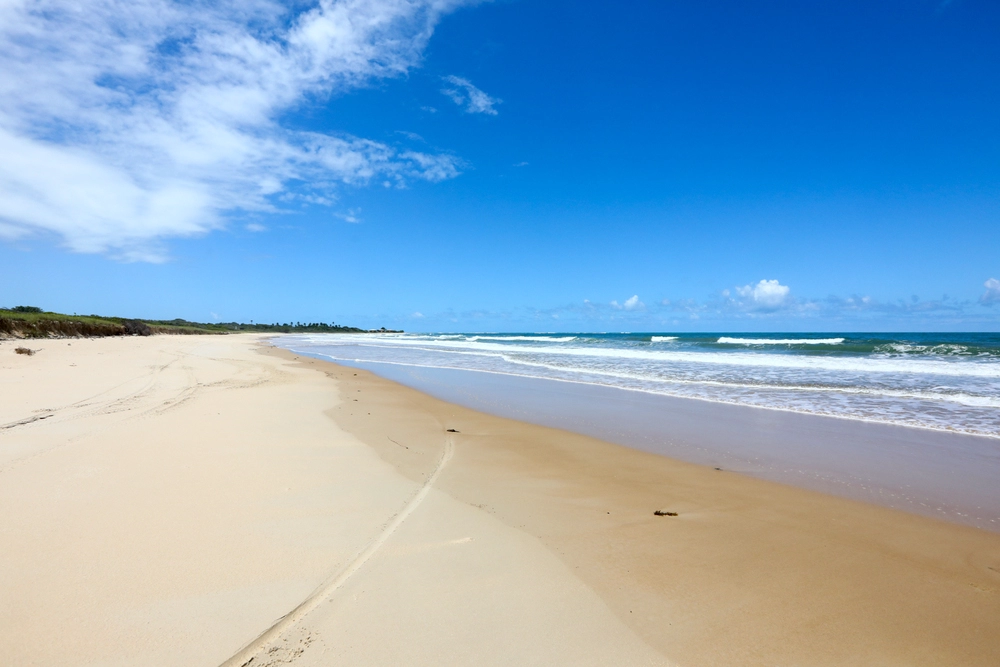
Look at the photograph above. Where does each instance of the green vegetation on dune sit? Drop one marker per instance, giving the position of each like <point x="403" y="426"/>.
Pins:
<point x="33" y="322"/>
<point x="28" y="322"/>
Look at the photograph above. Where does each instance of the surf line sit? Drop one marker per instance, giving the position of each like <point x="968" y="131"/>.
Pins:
<point x="329" y="587"/>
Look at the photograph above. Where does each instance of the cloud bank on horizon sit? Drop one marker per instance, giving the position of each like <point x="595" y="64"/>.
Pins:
<point x="754" y="304"/>
<point x="124" y="123"/>
<point x="761" y="302"/>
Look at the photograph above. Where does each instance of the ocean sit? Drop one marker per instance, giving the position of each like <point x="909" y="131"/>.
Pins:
<point x="946" y="382"/>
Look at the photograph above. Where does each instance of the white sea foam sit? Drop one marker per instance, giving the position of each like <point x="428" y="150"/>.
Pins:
<point x="662" y="339"/>
<point x="857" y="365"/>
<point x="880" y="392"/>
<point x="949" y="392"/>
<point x="533" y="339"/>
<point x="942" y="350"/>
<point x="781" y="341"/>
<point x="876" y="416"/>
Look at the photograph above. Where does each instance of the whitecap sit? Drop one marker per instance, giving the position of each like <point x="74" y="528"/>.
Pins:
<point x="780" y="341"/>
<point x="540" y="339"/>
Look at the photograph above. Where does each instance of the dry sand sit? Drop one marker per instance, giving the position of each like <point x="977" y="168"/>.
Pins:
<point x="167" y="500"/>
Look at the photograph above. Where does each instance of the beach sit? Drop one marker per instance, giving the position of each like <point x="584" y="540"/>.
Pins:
<point x="208" y="500"/>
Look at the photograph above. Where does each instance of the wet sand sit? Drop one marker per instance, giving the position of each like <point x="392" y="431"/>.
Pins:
<point x="944" y="475"/>
<point x="207" y="500"/>
<point x="749" y="572"/>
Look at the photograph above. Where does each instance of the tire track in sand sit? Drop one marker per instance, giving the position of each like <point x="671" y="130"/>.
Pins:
<point x="247" y="654"/>
<point x="76" y="409"/>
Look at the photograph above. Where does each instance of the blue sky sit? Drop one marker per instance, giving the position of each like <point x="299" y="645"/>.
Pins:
<point x="545" y="166"/>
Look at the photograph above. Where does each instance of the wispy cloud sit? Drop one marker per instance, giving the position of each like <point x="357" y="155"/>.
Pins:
<point x="472" y="99"/>
<point x="122" y="123"/>
<point x="353" y="215"/>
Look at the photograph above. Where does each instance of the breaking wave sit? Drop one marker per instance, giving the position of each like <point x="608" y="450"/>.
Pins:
<point x="941" y="381"/>
<point x="780" y="341"/>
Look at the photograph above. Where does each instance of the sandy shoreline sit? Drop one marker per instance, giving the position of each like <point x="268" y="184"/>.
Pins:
<point x="167" y="500"/>
<point x="949" y="476"/>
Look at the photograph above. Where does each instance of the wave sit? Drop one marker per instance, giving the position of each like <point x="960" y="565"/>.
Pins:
<point x="533" y="339"/>
<point x="939" y="350"/>
<point x="780" y="341"/>
<point x="814" y="410"/>
<point x="962" y="398"/>
<point x="855" y="365"/>
<point x="662" y="339"/>
<point x="475" y="337"/>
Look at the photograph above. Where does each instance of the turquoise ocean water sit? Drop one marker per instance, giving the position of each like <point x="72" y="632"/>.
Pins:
<point x="948" y="382"/>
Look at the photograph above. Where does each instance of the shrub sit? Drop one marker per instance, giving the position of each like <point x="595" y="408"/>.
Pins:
<point x="137" y="328"/>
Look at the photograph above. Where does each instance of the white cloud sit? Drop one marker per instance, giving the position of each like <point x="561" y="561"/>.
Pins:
<point x="766" y="293"/>
<point x="464" y="94"/>
<point x="631" y="303"/>
<point x="992" y="294"/>
<point x="256" y="227"/>
<point x="417" y="315"/>
<point x="122" y="123"/>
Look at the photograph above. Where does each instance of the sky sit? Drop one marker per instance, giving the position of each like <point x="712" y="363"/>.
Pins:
<point x="434" y="165"/>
